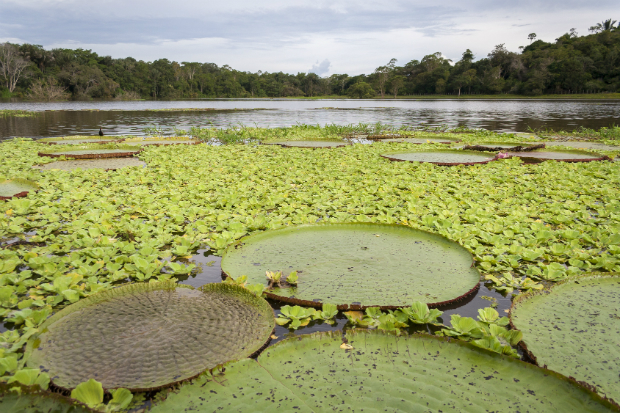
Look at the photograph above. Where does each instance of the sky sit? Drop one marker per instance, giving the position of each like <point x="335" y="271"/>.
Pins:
<point x="325" y="37"/>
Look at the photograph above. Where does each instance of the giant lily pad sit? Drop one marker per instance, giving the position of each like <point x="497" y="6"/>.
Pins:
<point x="145" y="336"/>
<point x="564" y="156"/>
<point x="422" y="140"/>
<point x="16" y="188"/>
<point x="109" y="164"/>
<point x="92" y="153"/>
<point x="382" y="372"/>
<point x="77" y="140"/>
<point x="574" y="329"/>
<point x="161" y="141"/>
<point x="584" y="145"/>
<point x="502" y="146"/>
<point x="356" y="265"/>
<point x="22" y="399"/>
<point x="442" y="157"/>
<point x="309" y="144"/>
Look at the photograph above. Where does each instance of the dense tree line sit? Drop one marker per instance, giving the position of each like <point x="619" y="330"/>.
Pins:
<point x="571" y="64"/>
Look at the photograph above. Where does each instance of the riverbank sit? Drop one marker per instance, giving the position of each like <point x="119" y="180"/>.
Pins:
<point x="580" y="96"/>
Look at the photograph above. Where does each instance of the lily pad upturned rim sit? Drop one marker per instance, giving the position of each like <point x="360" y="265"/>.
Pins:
<point x="92" y="155"/>
<point x="546" y="291"/>
<point x="158" y="141"/>
<point x="22" y="194"/>
<point x="351" y="307"/>
<point x="530" y="156"/>
<point x="388" y="156"/>
<point x="36" y="391"/>
<point x="519" y="147"/>
<point x="358" y="337"/>
<point x="291" y="144"/>
<point x="240" y="292"/>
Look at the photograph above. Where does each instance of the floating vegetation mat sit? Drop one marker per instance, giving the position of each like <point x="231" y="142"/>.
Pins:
<point x="381" y="372"/>
<point x="573" y="328"/>
<point x="356" y="265"/>
<point x="16" y="188"/>
<point x="149" y="335"/>
<point x="108" y="164"/>
<point x="160" y="141"/>
<point x="309" y="144"/>
<point x="501" y="146"/>
<point x="92" y="153"/>
<point x="16" y="398"/>
<point x="422" y="140"/>
<point x="442" y="157"/>
<point x="564" y="156"/>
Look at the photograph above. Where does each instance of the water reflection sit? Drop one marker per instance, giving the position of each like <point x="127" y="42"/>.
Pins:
<point x="120" y="118"/>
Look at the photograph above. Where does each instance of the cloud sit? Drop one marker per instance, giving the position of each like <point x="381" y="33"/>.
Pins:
<point x="320" y="68"/>
<point x="279" y="35"/>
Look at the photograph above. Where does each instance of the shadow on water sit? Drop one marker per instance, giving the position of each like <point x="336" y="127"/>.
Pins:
<point x="210" y="271"/>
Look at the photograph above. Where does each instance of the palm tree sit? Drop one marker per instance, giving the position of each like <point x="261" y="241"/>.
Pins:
<point x="604" y="26"/>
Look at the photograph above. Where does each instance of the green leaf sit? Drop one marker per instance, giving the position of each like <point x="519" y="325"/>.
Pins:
<point x="89" y="392"/>
<point x="121" y="398"/>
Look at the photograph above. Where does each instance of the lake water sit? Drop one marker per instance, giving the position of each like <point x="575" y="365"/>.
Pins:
<point x="120" y="118"/>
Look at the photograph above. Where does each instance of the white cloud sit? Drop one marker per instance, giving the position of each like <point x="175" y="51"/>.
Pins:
<point x="320" y="69"/>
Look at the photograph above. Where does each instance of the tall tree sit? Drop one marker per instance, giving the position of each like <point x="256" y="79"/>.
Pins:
<point x="12" y="65"/>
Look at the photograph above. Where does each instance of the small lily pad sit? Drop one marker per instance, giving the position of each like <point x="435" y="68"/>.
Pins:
<point x="356" y="265"/>
<point x="108" y="164"/>
<point x="16" y="188"/>
<point x="309" y="144"/>
<point x="574" y="328"/>
<point x="442" y="157"/>
<point x="150" y="335"/>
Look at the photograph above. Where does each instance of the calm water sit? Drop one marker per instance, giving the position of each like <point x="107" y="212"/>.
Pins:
<point x="119" y="118"/>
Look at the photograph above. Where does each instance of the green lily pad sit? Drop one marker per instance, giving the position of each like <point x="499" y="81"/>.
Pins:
<point x="92" y="153"/>
<point x="159" y="141"/>
<point x="356" y="265"/>
<point x="421" y="140"/>
<point x="442" y="157"/>
<point x="584" y="145"/>
<point x="69" y="141"/>
<point x="106" y="163"/>
<point x="309" y="144"/>
<point x="564" y="156"/>
<point x="574" y="329"/>
<point x="500" y="146"/>
<point x="382" y="372"/>
<point x="16" y="188"/>
<point x="146" y="336"/>
<point x="23" y="399"/>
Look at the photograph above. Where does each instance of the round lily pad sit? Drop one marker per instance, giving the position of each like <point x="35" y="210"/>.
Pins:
<point x="574" y="328"/>
<point x="63" y="141"/>
<point x="564" y="156"/>
<point x="15" y="398"/>
<point x="422" y="140"/>
<point x="309" y="144"/>
<point x="16" y="188"/>
<point x="442" y="157"/>
<point x="109" y="164"/>
<point x="382" y="372"/>
<point x="356" y="265"/>
<point x="502" y="146"/>
<point x="146" y="336"/>
<point x="160" y="142"/>
<point x="92" y="153"/>
<point x="584" y="145"/>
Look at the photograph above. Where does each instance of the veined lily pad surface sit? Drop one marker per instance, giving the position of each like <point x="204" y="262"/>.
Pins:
<point x="421" y="140"/>
<point x="574" y="329"/>
<point x="34" y="400"/>
<point x="382" y="372"/>
<point x="356" y="265"/>
<point x="566" y="156"/>
<point x="310" y="144"/>
<point x="106" y="163"/>
<point x="16" y="188"/>
<point x="149" y="335"/>
<point x="442" y="157"/>
<point x="92" y="153"/>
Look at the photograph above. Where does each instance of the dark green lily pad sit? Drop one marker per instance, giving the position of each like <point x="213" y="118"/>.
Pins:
<point x="16" y="188"/>
<point x="92" y="153"/>
<point x="501" y="146"/>
<point x="106" y="163"/>
<point x="442" y="157"/>
<point x="564" y="156"/>
<point x="23" y="399"/>
<point x="382" y="372"/>
<point x="146" y="336"/>
<point x="356" y="265"/>
<point x="309" y="144"/>
<point x="421" y="140"/>
<point x="574" y="329"/>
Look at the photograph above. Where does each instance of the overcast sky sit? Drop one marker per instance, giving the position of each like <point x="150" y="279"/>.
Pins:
<point x="326" y="37"/>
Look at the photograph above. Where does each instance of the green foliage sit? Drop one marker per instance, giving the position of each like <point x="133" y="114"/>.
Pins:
<point x="419" y="313"/>
<point x="295" y="315"/>
<point x="89" y="392"/>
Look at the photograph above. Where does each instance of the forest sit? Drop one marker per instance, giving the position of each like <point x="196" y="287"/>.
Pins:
<point x="571" y="64"/>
